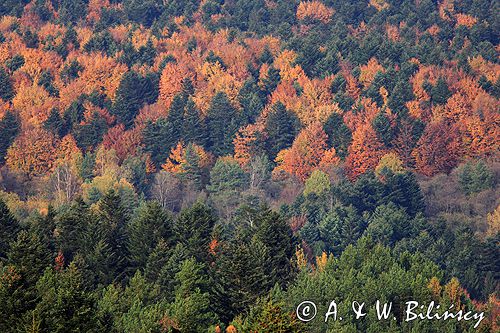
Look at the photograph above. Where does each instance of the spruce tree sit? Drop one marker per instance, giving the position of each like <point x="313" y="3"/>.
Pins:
<point x="194" y="130"/>
<point x="222" y="124"/>
<point x="128" y="98"/>
<point x="281" y="127"/>
<point x="9" y="127"/>
<point x="176" y="115"/>
<point x="6" y="88"/>
<point x="150" y="225"/>
<point x="339" y="135"/>
<point x="9" y="228"/>
<point x="193" y="228"/>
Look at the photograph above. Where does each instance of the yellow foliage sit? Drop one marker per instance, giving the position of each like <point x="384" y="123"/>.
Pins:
<point x="389" y="161"/>
<point x="321" y="262"/>
<point x="315" y="10"/>
<point x="493" y="219"/>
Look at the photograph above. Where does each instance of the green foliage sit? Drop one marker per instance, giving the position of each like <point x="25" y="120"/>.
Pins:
<point x="193" y="228"/>
<point x="9" y="228"/>
<point x="318" y="183"/>
<point x="222" y="123"/>
<point x="281" y="127"/>
<point x="6" y="88"/>
<point x="475" y="178"/>
<point x="339" y="135"/>
<point x="9" y="127"/>
<point x="150" y="225"/>
<point x="63" y="303"/>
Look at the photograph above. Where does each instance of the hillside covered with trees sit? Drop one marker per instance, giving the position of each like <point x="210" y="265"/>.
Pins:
<point x="206" y="166"/>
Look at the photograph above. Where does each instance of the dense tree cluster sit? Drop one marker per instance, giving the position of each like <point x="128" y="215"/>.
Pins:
<point x="193" y="166"/>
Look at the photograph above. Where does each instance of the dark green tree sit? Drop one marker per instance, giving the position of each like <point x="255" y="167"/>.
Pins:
<point x="9" y="127"/>
<point x="339" y="135"/>
<point x="281" y="128"/>
<point x="193" y="228"/>
<point x="150" y="225"/>
<point x="6" y="88"/>
<point x="222" y="123"/>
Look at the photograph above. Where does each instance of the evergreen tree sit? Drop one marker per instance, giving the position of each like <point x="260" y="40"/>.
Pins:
<point x="275" y="234"/>
<point x="63" y="303"/>
<point x="109" y="229"/>
<point x="281" y="127"/>
<point x="341" y="228"/>
<point x="339" y="135"/>
<point x="193" y="228"/>
<point x="128" y="98"/>
<point x="9" y="127"/>
<point x="193" y="127"/>
<point x="222" y="123"/>
<point x="9" y="228"/>
<point x="150" y="225"/>
<point x="440" y="92"/>
<point x="176" y="115"/>
<point x="191" y="308"/>
<point x="6" y="88"/>
<point x="159" y="139"/>
<point x="55" y="123"/>
<point x="382" y="126"/>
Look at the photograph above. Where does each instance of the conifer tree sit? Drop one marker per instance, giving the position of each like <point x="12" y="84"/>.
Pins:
<point x="222" y="123"/>
<point x="6" y="88"/>
<point x="9" y="127"/>
<point x="281" y="127"/>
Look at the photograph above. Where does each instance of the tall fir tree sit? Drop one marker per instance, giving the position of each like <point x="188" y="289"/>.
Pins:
<point x="9" y="128"/>
<point x="222" y="123"/>
<point x="281" y="128"/>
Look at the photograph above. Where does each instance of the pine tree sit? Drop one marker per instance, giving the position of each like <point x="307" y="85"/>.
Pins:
<point x="176" y="115"/>
<point x="9" y="127"/>
<point x="339" y="135"/>
<point x="281" y="127"/>
<point x="193" y="127"/>
<point x="6" y="88"/>
<point x="222" y="123"/>
<point x="9" y="228"/>
<point x="150" y="225"/>
<point x="193" y="228"/>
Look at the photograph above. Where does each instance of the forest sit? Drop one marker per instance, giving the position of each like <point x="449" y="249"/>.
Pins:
<point x="207" y="165"/>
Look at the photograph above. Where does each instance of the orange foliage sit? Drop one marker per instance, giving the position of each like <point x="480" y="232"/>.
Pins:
<point x="369" y="71"/>
<point x="465" y="20"/>
<point x="379" y="4"/>
<point x="215" y="79"/>
<point x="437" y="150"/>
<point x="34" y="104"/>
<point x="365" y="151"/>
<point x="32" y="153"/>
<point x="245" y="143"/>
<point x="67" y="149"/>
<point x="101" y="73"/>
<point x="171" y="82"/>
<point x="176" y="162"/>
<point x="314" y="10"/>
<point x="482" y="67"/>
<point x="309" y="151"/>
<point x="123" y="142"/>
